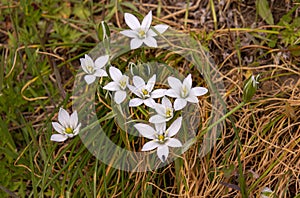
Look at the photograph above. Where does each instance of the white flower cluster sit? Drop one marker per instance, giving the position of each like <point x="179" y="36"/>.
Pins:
<point x="182" y="93"/>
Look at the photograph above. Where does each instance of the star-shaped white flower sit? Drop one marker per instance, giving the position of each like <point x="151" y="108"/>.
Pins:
<point x="183" y="92"/>
<point x="118" y="85"/>
<point x="67" y="126"/>
<point x="93" y="69"/>
<point x="164" y="111"/>
<point x="161" y="138"/>
<point x="142" y="33"/>
<point x="144" y="92"/>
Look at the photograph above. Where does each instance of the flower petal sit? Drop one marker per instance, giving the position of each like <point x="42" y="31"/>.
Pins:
<point x="151" y="33"/>
<point x="76" y="130"/>
<point x="120" y="96"/>
<point x="149" y="102"/>
<point x="192" y="99"/>
<point x="161" y="28"/>
<point x="112" y="86"/>
<point x="135" y="43"/>
<point x="58" y="127"/>
<point x="175" y="84"/>
<point x="115" y="74"/>
<point x="157" y="119"/>
<point x="63" y="117"/>
<point x="135" y="102"/>
<point x="199" y="91"/>
<point x="150" y="146"/>
<point x="163" y="152"/>
<point x="179" y="104"/>
<point x="151" y="83"/>
<point x="129" y="33"/>
<point x="172" y="93"/>
<point x="188" y="82"/>
<point x="145" y="130"/>
<point x="158" y="93"/>
<point x="173" y="142"/>
<point x="138" y="82"/>
<point x="89" y="79"/>
<point x="150" y="41"/>
<point x="132" y="21"/>
<point x="174" y="128"/>
<point x="101" y="61"/>
<point x="58" y="137"/>
<point x="86" y="61"/>
<point x="166" y="102"/>
<point x="147" y="21"/>
<point x="74" y="120"/>
<point x="100" y="73"/>
<point x="160" y="109"/>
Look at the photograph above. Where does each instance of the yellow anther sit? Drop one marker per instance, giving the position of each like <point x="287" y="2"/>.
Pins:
<point x="69" y="130"/>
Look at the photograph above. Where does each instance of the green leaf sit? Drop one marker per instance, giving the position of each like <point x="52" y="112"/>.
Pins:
<point x="264" y="11"/>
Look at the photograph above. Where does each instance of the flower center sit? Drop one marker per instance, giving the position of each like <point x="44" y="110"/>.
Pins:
<point x="145" y="93"/>
<point x="142" y="34"/>
<point x="123" y="83"/>
<point x="69" y="130"/>
<point x="184" y="92"/>
<point x="161" y="138"/>
<point x="90" y="69"/>
<point x="169" y="112"/>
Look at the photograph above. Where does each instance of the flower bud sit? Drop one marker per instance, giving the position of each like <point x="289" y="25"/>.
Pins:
<point x="103" y="31"/>
<point x="250" y="87"/>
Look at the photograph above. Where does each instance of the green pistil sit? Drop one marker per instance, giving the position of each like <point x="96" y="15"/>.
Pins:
<point x="161" y="138"/>
<point x="69" y="130"/>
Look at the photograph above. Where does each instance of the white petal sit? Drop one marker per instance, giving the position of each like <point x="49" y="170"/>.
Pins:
<point x="112" y="86"/>
<point x="151" y="33"/>
<point x="150" y="146"/>
<point x="57" y="127"/>
<point x="166" y="102"/>
<point x="161" y="28"/>
<point x="63" y="117"/>
<point x="135" y="102"/>
<point x="120" y="96"/>
<point x="135" y="43"/>
<point x="76" y="130"/>
<point x="160" y="127"/>
<point x="160" y="109"/>
<point x="147" y="21"/>
<point x="115" y="74"/>
<point x="134" y="90"/>
<point x="86" y="61"/>
<point x="173" y="142"/>
<point x="74" y="120"/>
<point x="150" y="41"/>
<point x="188" y="82"/>
<point x="158" y="93"/>
<point x="132" y="21"/>
<point x="89" y="79"/>
<point x="129" y="33"/>
<point x="100" y="73"/>
<point x="175" y="84"/>
<point x="174" y="128"/>
<point x="179" y="104"/>
<point x="192" y="99"/>
<point x="83" y="65"/>
<point x="138" y="82"/>
<point x="199" y="91"/>
<point x="151" y="83"/>
<point x="149" y="102"/>
<point x="101" y="61"/>
<point x="157" y="119"/>
<point x="163" y="152"/>
<point x="145" y="130"/>
<point x="58" y="137"/>
<point x="172" y="93"/>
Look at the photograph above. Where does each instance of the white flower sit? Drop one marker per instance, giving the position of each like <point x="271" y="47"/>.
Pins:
<point x="67" y="126"/>
<point x="183" y="92"/>
<point x="266" y="193"/>
<point x="144" y="92"/>
<point x="93" y="69"/>
<point x="164" y="111"/>
<point x="161" y="138"/>
<point x="118" y="85"/>
<point x="141" y="33"/>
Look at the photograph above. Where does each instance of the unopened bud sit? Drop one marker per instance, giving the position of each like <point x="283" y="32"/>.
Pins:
<point x="103" y="31"/>
<point x="250" y="87"/>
